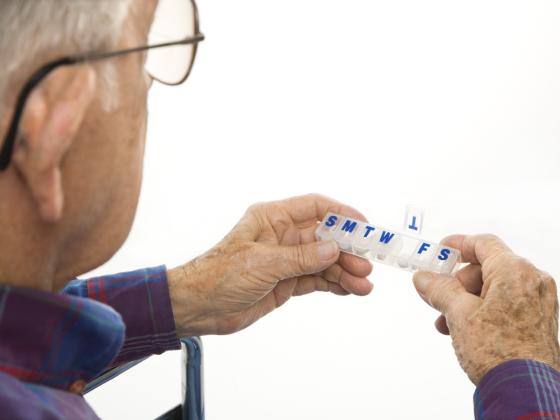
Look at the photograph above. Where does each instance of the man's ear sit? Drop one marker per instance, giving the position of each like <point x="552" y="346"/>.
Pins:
<point x="52" y="118"/>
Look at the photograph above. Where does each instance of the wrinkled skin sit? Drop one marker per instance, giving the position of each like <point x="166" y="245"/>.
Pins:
<point x="270" y="256"/>
<point x="498" y="308"/>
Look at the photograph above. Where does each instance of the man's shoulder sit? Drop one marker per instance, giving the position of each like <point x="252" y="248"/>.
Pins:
<point x="21" y="400"/>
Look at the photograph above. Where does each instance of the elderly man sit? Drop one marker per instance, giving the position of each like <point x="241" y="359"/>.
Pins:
<point x="73" y="98"/>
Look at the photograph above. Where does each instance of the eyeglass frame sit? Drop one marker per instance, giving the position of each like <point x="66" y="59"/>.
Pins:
<point x="39" y="75"/>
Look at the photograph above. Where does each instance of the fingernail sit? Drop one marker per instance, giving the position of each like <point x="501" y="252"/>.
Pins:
<point x="327" y="250"/>
<point x="422" y="280"/>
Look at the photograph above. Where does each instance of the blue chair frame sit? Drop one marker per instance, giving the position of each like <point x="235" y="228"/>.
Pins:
<point x="192" y="404"/>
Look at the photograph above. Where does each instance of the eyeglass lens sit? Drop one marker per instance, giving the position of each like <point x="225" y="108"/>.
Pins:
<point x="174" y="20"/>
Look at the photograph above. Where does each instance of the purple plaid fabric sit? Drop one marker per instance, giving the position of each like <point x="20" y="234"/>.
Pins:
<point x="519" y="390"/>
<point x="50" y="343"/>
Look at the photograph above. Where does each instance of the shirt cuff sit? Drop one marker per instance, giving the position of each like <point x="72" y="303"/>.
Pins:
<point x="142" y="298"/>
<point x="518" y="389"/>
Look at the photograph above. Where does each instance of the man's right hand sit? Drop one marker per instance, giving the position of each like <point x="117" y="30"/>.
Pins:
<point x="271" y="255"/>
<point x="498" y="308"/>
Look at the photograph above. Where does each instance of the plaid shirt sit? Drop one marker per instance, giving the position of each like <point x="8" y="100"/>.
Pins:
<point x="519" y="390"/>
<point x="51" y="343"/>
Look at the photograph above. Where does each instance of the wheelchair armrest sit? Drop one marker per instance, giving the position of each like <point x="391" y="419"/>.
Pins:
<point x="193" y="374"/>
<point x="192" y="403"/>
<point x="110" y="374"/>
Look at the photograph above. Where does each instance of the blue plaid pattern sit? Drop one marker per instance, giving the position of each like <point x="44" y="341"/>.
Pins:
<point x="50" y="341"/>
<point x="519" y="390"/>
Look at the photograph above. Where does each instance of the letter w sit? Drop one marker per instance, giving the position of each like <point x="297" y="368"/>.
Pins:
<point x="386" y="237"/>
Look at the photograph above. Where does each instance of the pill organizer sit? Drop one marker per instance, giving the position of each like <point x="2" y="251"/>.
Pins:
<point x="389" y="247"/>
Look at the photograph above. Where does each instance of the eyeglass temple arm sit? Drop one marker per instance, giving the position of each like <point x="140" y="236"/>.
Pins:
<point x="101" y="56"/>
<point x="39" y="75"/>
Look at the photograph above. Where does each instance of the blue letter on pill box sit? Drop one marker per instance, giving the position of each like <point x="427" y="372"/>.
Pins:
<point x="401" y="255"/>
<point x="331" y="221"/>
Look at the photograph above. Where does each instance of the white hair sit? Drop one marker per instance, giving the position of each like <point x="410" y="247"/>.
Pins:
<point x="31" y="28"/>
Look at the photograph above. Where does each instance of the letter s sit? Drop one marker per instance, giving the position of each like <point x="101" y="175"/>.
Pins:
<point x="331" y="221"/>
<point x="444" y="254"/>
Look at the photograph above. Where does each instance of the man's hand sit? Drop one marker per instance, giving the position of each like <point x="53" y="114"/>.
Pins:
<point x="498" y="308"/>
<point x="270" y="256"/>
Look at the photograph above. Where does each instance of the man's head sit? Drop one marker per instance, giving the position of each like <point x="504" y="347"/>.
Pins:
<point x="69" y="196"/>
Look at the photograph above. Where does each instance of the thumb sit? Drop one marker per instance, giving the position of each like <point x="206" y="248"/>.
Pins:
<point x="299" y="260"/>
<point x="444" y="293"/>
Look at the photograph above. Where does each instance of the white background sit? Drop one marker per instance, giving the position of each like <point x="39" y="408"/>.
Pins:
<point x="453" y="106"/>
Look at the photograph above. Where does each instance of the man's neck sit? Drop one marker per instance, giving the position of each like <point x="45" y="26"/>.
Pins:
<point x="27" y="250"/>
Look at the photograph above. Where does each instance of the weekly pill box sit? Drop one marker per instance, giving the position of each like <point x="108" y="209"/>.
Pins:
<point x="387" y="246"/>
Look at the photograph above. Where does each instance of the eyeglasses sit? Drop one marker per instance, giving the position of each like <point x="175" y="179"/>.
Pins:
<point x="171" y="50"/>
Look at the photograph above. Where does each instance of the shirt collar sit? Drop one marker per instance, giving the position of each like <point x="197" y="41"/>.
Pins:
<point x="55" y="339"/>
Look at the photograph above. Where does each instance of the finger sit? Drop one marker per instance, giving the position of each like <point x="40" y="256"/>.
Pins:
<point x="266" y="305"/>
<point x="310" y="284"/>
<point x="359" y="267"/>
<point x="284" y="262"/>
<point x="313" y="207"/>
<point x="477" y="249"/>
<point x="471" y="278"/>
<point x="307" y="234"/>
<point x="355" y="265"/>
<point x="359" y="286"/>
<point x="284" y="290"/>
<point x="441" y="325"/>
<point x="445" y="294"/>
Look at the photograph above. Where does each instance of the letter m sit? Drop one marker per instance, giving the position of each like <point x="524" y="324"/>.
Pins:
<point x="349" y="226"/>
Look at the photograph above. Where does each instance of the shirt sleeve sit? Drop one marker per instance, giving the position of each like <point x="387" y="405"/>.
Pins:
<point x="142" y="299"/>
<point x="519" y="389"/>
